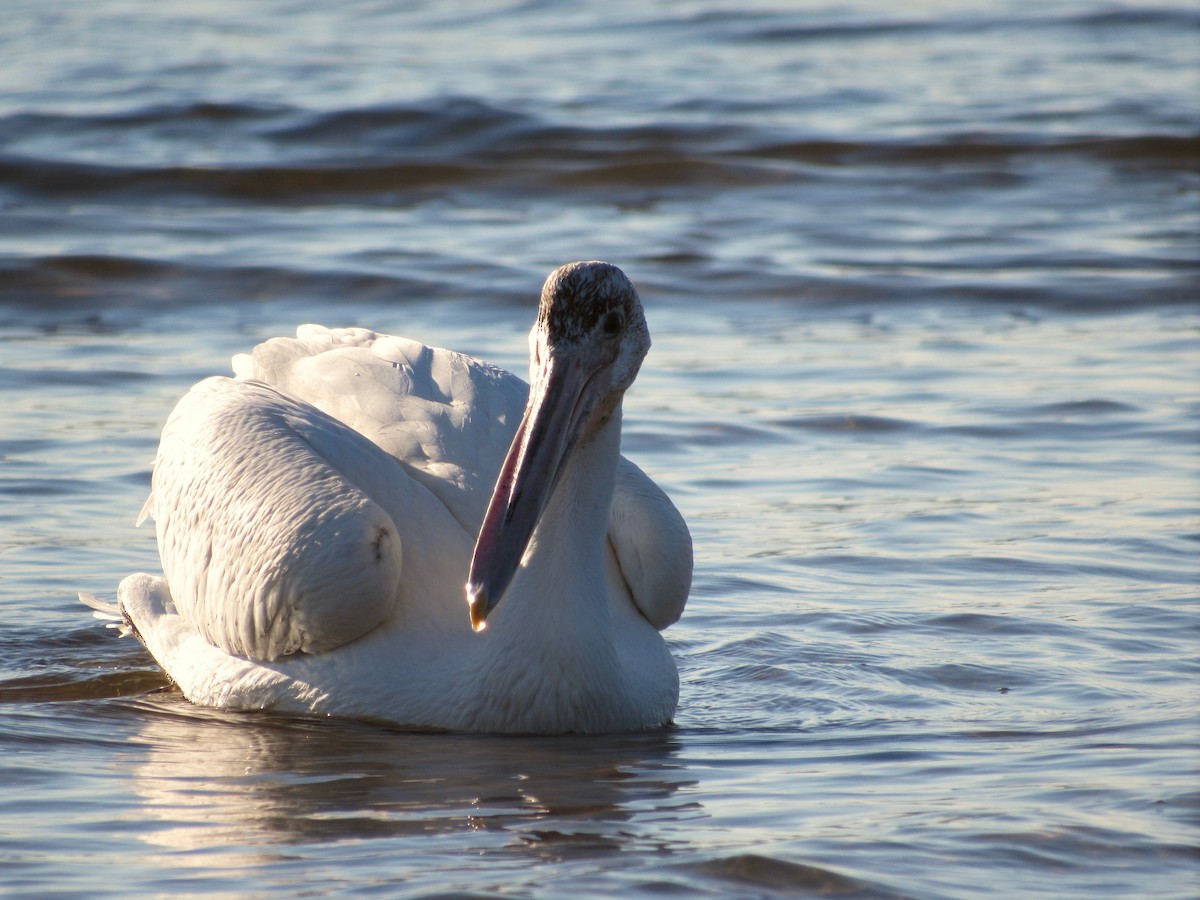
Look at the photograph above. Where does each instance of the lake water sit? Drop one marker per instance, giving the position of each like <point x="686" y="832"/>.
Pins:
<point x="923" y="286"/>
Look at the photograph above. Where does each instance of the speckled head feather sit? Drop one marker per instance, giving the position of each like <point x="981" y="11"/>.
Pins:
<point x="594" y="301"/>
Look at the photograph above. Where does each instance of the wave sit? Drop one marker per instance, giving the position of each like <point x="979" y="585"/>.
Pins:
<point x="83" y="290"/>
<point x="90" y="283"/>
<point x="1152" y="150"/>
<point x="754" y="179"/>
<point x="384" y="154"/>
<point x="782" y="27"/>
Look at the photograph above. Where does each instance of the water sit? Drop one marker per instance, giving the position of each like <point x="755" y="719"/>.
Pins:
<point x="923" y="288"/>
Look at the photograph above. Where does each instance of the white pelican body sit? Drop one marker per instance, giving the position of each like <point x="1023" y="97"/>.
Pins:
<point x="317" y="518"/>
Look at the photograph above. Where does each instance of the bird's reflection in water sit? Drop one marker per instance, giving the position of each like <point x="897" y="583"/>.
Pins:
<point x="250" y="784"/>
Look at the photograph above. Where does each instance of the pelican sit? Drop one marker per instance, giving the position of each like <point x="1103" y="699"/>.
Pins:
<point x="318" y="514"/>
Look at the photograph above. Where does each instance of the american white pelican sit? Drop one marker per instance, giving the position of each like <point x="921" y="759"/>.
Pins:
<point x="317" y="516"/>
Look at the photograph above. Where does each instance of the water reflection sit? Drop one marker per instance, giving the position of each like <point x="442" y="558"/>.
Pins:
<point x="252" y="782"/>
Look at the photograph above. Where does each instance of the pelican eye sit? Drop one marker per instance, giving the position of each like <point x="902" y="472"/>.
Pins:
<point x="613" y="323"/>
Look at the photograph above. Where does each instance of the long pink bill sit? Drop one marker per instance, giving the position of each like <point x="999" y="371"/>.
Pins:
<point x="548" y="431"/>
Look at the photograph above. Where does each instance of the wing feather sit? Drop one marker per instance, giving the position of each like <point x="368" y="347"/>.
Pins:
<point x="269" y="545"/>
<point x="652" y="544"/>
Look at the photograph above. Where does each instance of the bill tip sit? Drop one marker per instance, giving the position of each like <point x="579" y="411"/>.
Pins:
<point x="478" y="606"/>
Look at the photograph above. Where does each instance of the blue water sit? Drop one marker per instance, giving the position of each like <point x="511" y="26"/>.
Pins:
<point x="923" y="290"/>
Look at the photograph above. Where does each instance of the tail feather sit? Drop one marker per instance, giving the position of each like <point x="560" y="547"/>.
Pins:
<point x="146" y="513"/>
<point x="111" y="614"/>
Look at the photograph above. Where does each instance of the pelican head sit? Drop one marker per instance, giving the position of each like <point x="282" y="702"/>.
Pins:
<point x="585" y="349"/>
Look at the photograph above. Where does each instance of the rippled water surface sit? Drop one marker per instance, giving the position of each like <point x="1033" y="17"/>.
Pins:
<point x="922" y="281"/>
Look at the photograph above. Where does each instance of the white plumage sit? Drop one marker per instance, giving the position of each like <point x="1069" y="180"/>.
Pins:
<point x="318" y="515"/>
